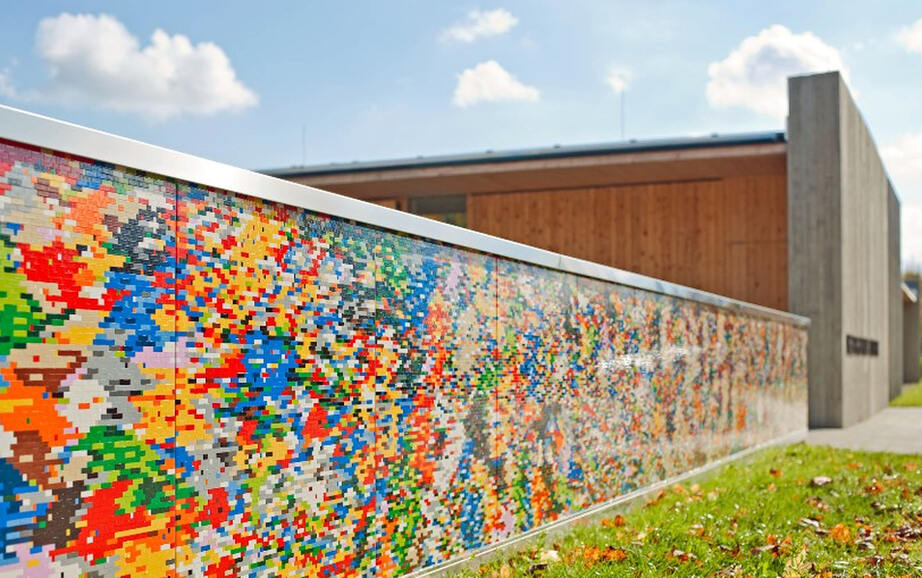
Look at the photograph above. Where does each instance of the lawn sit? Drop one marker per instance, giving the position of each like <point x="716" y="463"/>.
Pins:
<point x="912" y="397"/>
<point x="786" y="511"/>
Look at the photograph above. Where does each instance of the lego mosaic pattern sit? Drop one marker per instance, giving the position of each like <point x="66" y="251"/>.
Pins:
<point x="604" y="389"/>
<point x="276" y="368"/>
<point x="86" y="368"/>
<point x="436" y="322"/>
<point x="194" y="382"/>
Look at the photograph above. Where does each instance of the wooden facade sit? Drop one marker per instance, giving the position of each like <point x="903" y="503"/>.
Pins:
<point x="713" y="218"/>
<point x="726" y="236"/>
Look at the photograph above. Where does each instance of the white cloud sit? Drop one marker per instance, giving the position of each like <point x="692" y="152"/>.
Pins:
<point x="903" y="158"/>
<point x="481" y="25"/>
<point x="95" y="60"/>
<point x="911" y="228"/>
<point x="619" y="79"/>
<point x="7" y="90"/>
<point x="911" y="38"/>
<point x="754" y="75"/>
<point x="489" y="82"/>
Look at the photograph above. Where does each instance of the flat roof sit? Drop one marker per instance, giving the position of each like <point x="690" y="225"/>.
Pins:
<point x="556" y="151"/>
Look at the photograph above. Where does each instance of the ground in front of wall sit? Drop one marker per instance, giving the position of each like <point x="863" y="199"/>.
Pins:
<point x="910" y="397"/>
<point x="791" y="511"/>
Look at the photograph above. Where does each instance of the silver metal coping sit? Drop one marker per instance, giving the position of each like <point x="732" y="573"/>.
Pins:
<point x="43" y="132"/>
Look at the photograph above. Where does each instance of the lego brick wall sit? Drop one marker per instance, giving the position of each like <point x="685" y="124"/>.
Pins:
<point x="195" y="382"/>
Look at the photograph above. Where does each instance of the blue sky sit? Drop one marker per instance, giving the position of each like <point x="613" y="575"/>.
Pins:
<point x="373" y="79"/>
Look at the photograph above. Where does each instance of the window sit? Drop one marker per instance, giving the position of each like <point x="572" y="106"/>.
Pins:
<point x="450" y="209"/>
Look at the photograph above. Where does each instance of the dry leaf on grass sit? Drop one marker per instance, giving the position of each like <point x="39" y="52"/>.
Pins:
<point x="591" y="555"/>
<point x="536" y="568"/>
<point x="840" y="533"/>
<point x="656" y="500"/>
<point x="821" y="481"/>
<point x="616" y="522"/>
<point x="682" y="556"/>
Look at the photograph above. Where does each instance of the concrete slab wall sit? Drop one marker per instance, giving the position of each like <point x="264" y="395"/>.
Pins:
<point x="865" y="264"/>
<point x="912" y="342"/>
<point x="838" y="196"/>
<point x="814" y="233"/>
<point x="895" y="291"/>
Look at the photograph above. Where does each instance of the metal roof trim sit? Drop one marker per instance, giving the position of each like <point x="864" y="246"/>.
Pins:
<point x="569" y="151"/>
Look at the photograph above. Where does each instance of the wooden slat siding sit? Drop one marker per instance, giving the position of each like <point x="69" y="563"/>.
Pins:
<point x="389" y="203"/>
<point x="728" y="236"/>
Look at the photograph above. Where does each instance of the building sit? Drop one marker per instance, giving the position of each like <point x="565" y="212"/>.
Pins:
<point x="804" y="221"/>
<point x="912" y="334"/>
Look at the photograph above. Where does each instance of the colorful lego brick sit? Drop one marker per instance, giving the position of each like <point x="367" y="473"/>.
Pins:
<point x="195" y="382"/>
<point x="86" y="367"/>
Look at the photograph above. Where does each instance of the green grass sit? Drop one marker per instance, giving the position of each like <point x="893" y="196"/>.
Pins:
<point x="761" y="516"/>
<point x="911" y="397"/>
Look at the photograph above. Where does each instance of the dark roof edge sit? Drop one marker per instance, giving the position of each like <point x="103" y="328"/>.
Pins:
<point x="631" y="146"/>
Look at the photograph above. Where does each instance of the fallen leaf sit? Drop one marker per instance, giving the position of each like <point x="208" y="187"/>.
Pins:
<point x="818" y="503"/>
<point x="797" y="566"/>
<point x="696" y="530"/>
<point x="730" y="571"/>
<point x="874" y="489"/>
<point x="910" y="466"/>
<point x="549" y="556"/>
<point x="656" y="500"/>
<point x="773" y="548"/>
<point x="907" y="532"/>
<point x="682" y="556"/>
<point x="535" y="568"/>
<point x="810" y="522"/>
<point x="821" y="481"/>
<point x="776" y="473"/>
<point x="840" y="533"/>
<point x="592" y="555"/>
<point x="616" y="522"/>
